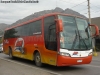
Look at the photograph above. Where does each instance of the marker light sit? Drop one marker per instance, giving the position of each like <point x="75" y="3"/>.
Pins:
<point x="90" y="53"/>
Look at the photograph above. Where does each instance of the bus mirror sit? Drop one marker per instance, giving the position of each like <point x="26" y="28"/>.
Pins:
<point x="96" y="29"/>
<point x="60" y="25"/>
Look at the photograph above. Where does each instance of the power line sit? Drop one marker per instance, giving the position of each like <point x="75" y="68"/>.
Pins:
<point x="82" y="3"/>
<point x="78" y="4"/>
<point x="73" y="3"/>
<point x="95" y="6"/>
<point x="95" y="11"/>
<point x="82" y="10"/>
<point x="66" y="1"/>
<point x="85" y="13"/>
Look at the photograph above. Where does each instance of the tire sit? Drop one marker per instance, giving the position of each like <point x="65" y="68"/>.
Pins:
<point x="38" y="59"/>
<point x="10" y="54"/>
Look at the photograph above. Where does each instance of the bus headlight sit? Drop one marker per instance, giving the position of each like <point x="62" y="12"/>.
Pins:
<point x="64" y="54"/>
<point x="90" y="53"/>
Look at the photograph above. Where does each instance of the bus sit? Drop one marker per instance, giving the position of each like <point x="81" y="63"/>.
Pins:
<point x="56" y="39"/>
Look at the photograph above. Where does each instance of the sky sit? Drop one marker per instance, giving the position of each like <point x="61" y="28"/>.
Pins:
<point x="11" y="12"/>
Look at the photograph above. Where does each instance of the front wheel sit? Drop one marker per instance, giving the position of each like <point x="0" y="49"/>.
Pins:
<point x="38" y="59"/>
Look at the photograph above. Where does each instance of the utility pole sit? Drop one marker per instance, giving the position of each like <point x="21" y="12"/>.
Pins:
<point x="89" y="11"/>
<point x="93" y="40"/>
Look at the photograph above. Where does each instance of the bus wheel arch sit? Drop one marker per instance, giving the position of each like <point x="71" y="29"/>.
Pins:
<point x="10" y="52"/>
<point x="37" y="58"/>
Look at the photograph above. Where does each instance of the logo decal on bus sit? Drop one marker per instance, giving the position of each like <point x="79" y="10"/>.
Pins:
<point x="19" y="45"/>
<point x="75" y="53"/>
<point x="6" y="41"/>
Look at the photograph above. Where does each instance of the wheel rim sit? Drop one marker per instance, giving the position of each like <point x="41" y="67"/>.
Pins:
<point x="38" y="59"/>
<point x="10" y="54"/>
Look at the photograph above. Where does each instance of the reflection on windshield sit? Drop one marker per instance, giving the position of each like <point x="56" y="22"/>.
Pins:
<point x="74" y="34"/>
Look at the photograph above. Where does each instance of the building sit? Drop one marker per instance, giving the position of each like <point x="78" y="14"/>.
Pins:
<point x="96" y="21"/>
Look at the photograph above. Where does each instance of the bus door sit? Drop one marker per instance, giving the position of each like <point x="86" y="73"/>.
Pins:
<point x="50" y="40"/>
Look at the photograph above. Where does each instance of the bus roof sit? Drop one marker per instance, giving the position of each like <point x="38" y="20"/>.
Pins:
<point x="34" y="19"/>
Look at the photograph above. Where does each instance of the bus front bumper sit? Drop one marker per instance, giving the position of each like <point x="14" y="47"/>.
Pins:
<point x="69" y="61"/>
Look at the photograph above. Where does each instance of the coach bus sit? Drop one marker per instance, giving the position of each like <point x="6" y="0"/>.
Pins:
<point x="55" y="39"/>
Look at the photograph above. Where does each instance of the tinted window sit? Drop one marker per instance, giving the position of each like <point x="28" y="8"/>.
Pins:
<point x="24" y="30"/>
<point x="35" y="27"/>
<point x="10" y="34"/>
<point x="50" y="33"/>
<point x="18" y="31"/>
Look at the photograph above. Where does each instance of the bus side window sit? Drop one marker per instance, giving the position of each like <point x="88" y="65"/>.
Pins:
<point x="50" y="33"/>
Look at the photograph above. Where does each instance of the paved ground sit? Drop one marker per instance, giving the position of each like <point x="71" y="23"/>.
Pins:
<point x="96" y="57"/>
<point x="29" y="68"/>
<point x="9" y="68"/>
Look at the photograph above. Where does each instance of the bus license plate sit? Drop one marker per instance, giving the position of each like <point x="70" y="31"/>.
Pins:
<point x="79" y="60"/>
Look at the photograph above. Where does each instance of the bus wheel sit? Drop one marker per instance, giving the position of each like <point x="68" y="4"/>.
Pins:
<point x="10" y="53"/>
<point x="37" y="59"/>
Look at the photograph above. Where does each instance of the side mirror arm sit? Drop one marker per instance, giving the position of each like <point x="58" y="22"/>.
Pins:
<point x="97" y="30"/>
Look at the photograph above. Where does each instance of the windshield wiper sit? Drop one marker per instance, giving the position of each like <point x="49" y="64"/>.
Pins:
<point x="74" y="40"/>
<point x="78" y="34"/>
<point x="82" y="39"/>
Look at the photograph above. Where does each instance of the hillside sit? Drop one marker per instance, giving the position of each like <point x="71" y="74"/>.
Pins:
<point x="41" y="13"/>
<point x="2" y="28"/>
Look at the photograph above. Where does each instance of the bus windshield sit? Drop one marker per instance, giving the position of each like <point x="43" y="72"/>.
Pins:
<point x="75" y="34"/>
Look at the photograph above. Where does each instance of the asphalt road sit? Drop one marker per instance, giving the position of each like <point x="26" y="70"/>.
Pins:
<point x="90" y="69"/>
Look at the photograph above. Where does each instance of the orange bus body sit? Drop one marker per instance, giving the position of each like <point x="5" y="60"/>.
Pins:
<point x="35" y="43"/>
